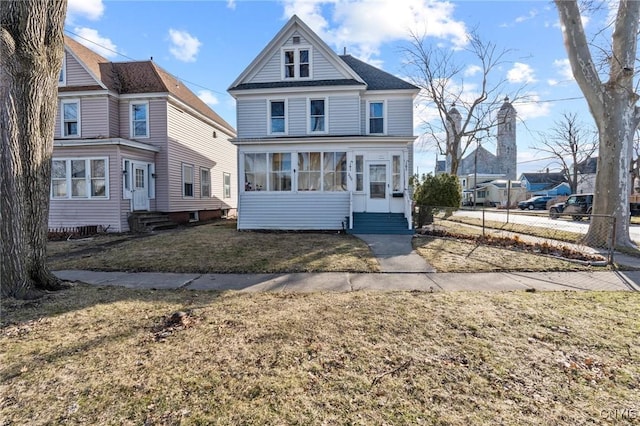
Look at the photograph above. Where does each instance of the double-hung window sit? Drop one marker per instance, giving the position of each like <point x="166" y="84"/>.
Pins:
<point x="334" y="171"/>
<point x="309" y="171"/>
<point x="226" y="185"/>
<point x="187" y="180"/>
<point x="205" y="183"/>
<point x="79" y="178"/>
<point x="297" y="63"/>
<point x="71" y="118"/>
<point x="62" y="77"/>
<point x="139" y="120"/>
<point x="376" y="117"/>
<point x="277" y="116"/>
<point x="317" y="122"/>
<point x="280" y="171"/>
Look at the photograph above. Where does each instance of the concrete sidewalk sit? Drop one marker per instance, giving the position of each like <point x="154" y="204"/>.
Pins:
<point x="346" y="281"/>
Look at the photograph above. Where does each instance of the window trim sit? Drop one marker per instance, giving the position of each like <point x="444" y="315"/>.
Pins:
<point x="63" y="71"/>
<point x="63" y="134"/>
<point x="296" y="62"/>
<point x="226" y="187"/>
<point x="384" y="116"/>
<point x="88" y="179"/>
<point x="184" y="182"/>
<point x="286" y="117"/>
<point x="131" y="126"/>
<point x="326" y="117"/>
<point x="203" y="181"/>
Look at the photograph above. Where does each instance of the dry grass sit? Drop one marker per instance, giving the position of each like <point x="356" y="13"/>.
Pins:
<point x="92" y="355"/>
<point x="449" y="255"/>
<point x="212" y="248"/>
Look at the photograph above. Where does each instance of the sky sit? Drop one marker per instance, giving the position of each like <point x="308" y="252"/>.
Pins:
<point x="208" y="43"/>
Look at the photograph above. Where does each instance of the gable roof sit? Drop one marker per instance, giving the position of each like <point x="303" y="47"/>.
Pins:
<point x="138" y="77"/>
<point x="553" y="178"/>
<point x="355" y="71"/>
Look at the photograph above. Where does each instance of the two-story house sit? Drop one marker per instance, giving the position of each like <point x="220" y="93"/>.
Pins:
<point x="130" y="137"/>
<point x="324" y="141"/>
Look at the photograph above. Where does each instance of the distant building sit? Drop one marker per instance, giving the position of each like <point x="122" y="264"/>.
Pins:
<point x="503" y="163"/>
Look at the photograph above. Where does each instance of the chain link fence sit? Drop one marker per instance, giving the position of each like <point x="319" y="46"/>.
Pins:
<point x="538" y="230"/>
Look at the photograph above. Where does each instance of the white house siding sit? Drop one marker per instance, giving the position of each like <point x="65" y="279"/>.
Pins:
<point x="252" y="118"/>
<point x="114" y="118"/>
<point x="297" y="116"/>
<point x="323" y="69"/>
<point x="157" y="137"/>
<point x="125" y="204"/>
<point x="288" y="210"/>
<point x="400" y="116"/>
<point x="270" y="72"/>
<point x="76" y="74"/>
<point x="344" y="113"/>
<point x="191" y="141"/>
<point x="68" y="213"/>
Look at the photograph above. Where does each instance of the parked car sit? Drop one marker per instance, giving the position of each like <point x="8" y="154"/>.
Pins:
<point x="538" y="202"/>
<point x="577" y="206"/>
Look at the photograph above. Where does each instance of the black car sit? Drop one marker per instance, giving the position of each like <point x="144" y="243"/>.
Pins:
<point x="577" y="206"/>
<point x="538" y="202"/>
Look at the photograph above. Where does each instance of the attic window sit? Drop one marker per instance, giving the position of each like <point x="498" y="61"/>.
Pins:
<point x="296" y="63"/>
<point x="296" y="39"/>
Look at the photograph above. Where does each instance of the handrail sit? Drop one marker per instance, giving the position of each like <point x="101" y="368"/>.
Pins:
<point x="350" y="209"/>
<point x="407" y="208"/>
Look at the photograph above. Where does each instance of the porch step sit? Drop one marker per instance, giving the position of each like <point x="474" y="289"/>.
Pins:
<point x="141" y="222"/>
<point x="380" y="223"/>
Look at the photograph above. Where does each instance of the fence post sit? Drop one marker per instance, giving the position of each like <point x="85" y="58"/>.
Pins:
<point x="483" y="221"/>
<point x="612" y="239"/>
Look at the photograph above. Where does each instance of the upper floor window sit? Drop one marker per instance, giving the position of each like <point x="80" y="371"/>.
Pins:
<point x="140" y="120"/>
<point x="316" y="115"/>
<point x="297" y="63"/>
<point x="278" y="118"/>
<point x="79" y="178"/>
<point x="70" y="118"/>
<point x="376" y="117"/>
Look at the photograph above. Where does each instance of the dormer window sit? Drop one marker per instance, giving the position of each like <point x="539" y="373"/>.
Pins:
<point x="296" y="63"/>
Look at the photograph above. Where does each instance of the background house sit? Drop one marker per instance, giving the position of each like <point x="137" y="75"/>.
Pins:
<point x="325" y="141"/>
<point x="552" y="184"/>
<point x="130" y="137"/>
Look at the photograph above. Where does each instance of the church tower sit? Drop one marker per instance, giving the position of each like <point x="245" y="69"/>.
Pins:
<point x="507" y="152"/>
<point x="457" y="119"/>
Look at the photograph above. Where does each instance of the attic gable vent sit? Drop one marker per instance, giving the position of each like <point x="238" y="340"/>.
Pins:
<point x="296" y="39"/>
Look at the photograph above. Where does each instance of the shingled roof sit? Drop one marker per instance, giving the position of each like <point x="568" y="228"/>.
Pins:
<point x="138" y="77"/>
<point x="375" y="78"/>
<point x="553" y="178"/>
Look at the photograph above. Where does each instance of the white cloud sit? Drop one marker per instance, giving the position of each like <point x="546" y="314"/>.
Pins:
<point x="530" y="107"/>
<point x="208" y="97"/>
<point x="184" y="46"/>
<point x="472" y="70"/>
<point x="94" y="41"/>
<point x="231" y="4"/>
<point x="363" y="28"/>
<point x="521" y="73"/>
<point x="90" y="9"/>
<point x="532" y="14"/>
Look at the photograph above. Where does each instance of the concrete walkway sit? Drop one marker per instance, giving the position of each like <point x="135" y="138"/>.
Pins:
<point x="346" y="281"/>
<point x="402" y="270"/>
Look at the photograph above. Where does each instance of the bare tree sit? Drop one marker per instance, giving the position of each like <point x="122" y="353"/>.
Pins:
<point x="442" y="81"/>
<point x="613" y="106"/>
<point x="31" y="48"/>
<point x="569" y="143"/>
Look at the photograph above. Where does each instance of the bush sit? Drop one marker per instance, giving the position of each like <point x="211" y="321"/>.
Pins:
<point x="431" y="191"/>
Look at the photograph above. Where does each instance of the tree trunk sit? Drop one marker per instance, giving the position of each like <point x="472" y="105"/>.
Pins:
<point x="613" y="107"/>
<point x="31" y="47"/>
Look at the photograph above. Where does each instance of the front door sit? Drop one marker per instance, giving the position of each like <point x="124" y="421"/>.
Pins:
<point x="139" y="187"/>
<point x="378" y="187"/>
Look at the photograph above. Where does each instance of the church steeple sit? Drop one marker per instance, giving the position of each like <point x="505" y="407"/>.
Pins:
<point x="507" y="151"/>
